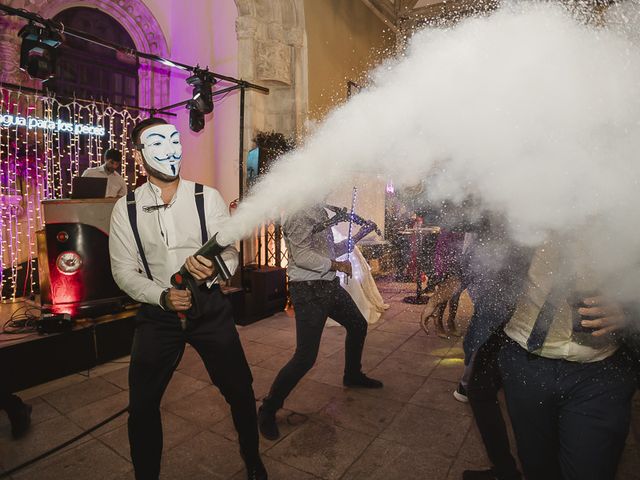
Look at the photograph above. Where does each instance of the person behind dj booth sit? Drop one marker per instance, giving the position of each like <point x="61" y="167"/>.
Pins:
<point x="116" y="186"/>
<point x="316" y="294"/>
<point x="154" y="232"/>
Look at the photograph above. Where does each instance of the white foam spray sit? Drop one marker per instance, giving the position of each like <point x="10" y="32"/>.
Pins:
<point x="529" y="110"/>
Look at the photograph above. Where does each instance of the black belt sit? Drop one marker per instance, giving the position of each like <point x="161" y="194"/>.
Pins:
<point x="311" y="283"/>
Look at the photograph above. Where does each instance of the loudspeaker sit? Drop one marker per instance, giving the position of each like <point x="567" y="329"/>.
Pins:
<point x="265" y="293"/>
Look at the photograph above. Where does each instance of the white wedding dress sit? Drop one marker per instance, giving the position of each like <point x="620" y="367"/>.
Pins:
<point x="361" y="286"/>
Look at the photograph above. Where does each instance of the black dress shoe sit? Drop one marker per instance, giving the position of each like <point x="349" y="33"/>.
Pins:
<point x="267" y="424"/>
<point x="257" y="472"/>
<point x="20" y="418"/>
<point x="360" y="380"/>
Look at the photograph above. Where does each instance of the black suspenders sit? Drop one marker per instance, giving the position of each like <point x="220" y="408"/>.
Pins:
<point x="133" y="220"/>
<point x="200" y="206"/>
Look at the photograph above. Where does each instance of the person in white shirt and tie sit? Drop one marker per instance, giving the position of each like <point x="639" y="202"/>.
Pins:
<point x="116" y="186"/>
<point x="567" y="378"/>
<point x="156" y="230"/>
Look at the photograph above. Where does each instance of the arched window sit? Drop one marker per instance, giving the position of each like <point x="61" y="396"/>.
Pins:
<point x="90" y="71"/>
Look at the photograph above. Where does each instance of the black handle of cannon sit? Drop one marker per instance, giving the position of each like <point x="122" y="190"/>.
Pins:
<point x="211" y="250"/>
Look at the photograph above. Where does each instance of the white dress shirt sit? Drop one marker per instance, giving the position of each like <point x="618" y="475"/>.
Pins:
<point x="561" y="341"/>
<point x="168" y="235"/>
<point x="116" y="186"/>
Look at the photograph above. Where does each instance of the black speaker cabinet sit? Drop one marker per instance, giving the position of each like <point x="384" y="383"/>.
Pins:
<point x="73" y="256"/>
<point x="265" y="293"/>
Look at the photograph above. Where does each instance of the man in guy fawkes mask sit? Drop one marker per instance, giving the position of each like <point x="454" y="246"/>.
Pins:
<point x="154" y="232"/>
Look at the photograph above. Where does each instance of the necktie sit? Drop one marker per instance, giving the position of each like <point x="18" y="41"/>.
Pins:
<point x="545" y="316"/>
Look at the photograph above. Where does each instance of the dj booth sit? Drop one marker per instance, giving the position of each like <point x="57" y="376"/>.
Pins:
<point x="73" y="254"/>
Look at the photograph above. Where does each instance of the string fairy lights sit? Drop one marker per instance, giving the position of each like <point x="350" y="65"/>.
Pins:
<point x="39" y="163"/>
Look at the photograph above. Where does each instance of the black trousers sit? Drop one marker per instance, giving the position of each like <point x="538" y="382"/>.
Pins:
<point x="482" y="392"/>
<point x="570" y="419"/>
<point x="158" y="345"/>
<point x="314" y="301"/>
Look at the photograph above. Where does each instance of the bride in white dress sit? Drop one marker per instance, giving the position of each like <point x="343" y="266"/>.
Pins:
<point x="361" y="286"/>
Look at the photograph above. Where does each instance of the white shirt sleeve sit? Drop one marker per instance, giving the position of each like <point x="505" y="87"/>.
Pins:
<point x="217" y="212"/>
<point x="125" y="267"/>
<point x="122" y="186"/>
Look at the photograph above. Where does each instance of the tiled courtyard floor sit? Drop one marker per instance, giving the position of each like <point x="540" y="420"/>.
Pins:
<point x="411" y="429"/>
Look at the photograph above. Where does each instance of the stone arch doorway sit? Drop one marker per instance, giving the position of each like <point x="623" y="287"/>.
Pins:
<point x="133" y="15"/>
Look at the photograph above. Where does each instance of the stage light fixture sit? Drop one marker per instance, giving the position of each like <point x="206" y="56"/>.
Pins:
<point x="196" y="120"/>
<point x="201" y="101"/>
<point x="202" y="98"/>
<point x="38" y="51"/>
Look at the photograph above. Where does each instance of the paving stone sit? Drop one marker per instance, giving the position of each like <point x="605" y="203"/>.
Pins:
<point x="411" y="362"/>
<point x="262" y="380"/>
<point x="283" y="339"/>
<point x="438" y="394"/>
<point x="42" y="437"/>
<point x="384" y="340"/>
<point x="280" y="321"/>
<point x="385" y="460"/>
<point x="279" y="471"/>
<point x="118" y="440"/>
<point x="258" y="352"/>
<point x="417" y="427"/>
<point x="462" y="464"/>
<point x="450" y="369"/>
<point x="41" y="411"/>
<point x="371" y="357"/>
<point x="204" y="456"/>
<point x="427" y="344"/>
<point x="91" y="460"/>
<point x="175" y="431"/>
<point x="181" y="386"/>
<point x="329" y="346"/>
<point x="321" y="449"/>
<point x="330" y="371"/>
<point x="119" y="377"/>
<point x="277" y="361"/>
<point x="473" y="449"/>
<point x="310" y="396"/>
<point x="81" y="394"/>
<point x="206" y="407"/>
<point x="287" y="421"/>
<point x="398" y="327"/>
<point x="94" y="413"/>
<point x="354" y="410"/>
<point x="52" y="386"/>
<point x="398" y="385"/>
<point x="254" y="331"/>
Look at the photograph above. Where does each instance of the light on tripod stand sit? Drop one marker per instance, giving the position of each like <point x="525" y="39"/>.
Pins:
<point x="201" y="102"/>
<point x="38" y="51"/>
